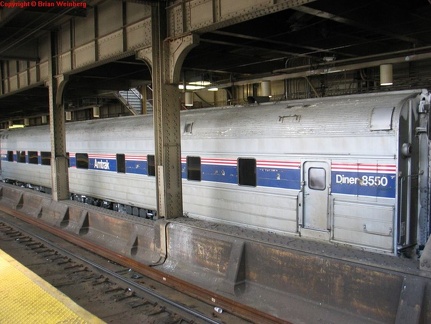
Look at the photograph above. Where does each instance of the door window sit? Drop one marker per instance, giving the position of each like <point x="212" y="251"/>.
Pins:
<point x="317" y="178"/>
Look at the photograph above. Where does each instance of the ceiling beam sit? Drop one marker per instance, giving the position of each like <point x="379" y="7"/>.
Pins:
<point x="275" y="42"/>
<point x="329" y="16"/>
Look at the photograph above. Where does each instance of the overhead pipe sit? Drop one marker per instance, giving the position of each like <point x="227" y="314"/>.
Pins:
<point x="409" y="56"/>
<point x="284" y="74"/>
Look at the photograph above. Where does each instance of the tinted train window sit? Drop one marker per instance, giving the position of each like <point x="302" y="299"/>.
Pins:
<point x="188" y="128"/>
<point x="45" y="158"/>
<point x="151" y="165"/>
<point x="317" y="178"/>
<point x="82" y="160"/>
<point x="20" y="156"/>
<point x="247" y="172"/>
<point x="121" y="163"/>
<point x="194" y="168"/>
<point x="33" y="157"/>
<point x="10" y="156"/>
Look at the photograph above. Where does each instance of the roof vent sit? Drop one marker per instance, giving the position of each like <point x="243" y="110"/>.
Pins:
<point x="381" y="118"/>
<point x="188" y="128"/>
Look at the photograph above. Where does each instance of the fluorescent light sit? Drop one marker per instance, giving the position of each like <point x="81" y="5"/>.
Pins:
<point x="190" y="87"/>
<point x="213" y="89"/>
<point x="200" y="83"/>
<point x="195" y="85"/>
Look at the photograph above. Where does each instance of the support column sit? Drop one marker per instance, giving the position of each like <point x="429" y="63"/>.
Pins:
<point x="57" y="128"/>
<point x="166" y="116"/>
<point x="165" y="56"/>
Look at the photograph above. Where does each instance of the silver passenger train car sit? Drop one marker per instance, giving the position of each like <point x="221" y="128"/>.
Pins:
<point x="351" y="170"/>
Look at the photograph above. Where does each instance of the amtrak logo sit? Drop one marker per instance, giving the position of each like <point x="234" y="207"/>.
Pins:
<point x="104" y="165"/>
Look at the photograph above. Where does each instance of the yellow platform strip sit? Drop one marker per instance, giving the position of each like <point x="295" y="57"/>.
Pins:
<point x="27" y="298"/>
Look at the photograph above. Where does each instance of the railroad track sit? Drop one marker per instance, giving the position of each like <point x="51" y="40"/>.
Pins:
<point x="113" y="292"/>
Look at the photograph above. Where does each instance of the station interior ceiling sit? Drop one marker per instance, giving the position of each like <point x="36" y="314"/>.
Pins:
<point x="328" y="45"/>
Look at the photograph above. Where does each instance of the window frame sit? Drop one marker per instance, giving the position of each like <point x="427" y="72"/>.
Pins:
<point x="82" y="161"/>
<point x="33" y="157"/>
<point x="45" y="158"/>
<point x="247" y="172"/>
<point x="10" y="156"/>
<point x="151" y="165"/>
<point x="194" y="168"/>
<point x="21" y="157"/>
<point x="312" y="184"/>
<point x="121" y="162"/>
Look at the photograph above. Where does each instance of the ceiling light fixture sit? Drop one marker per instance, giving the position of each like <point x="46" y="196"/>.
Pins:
<point x="329" y="59"/>
<point x="188" y="99"/>
<point x="386" y="75"/>
<point x="265" y="88"/>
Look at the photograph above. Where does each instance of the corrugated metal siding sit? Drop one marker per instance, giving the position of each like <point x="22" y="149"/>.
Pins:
<point x="346" y="116"/>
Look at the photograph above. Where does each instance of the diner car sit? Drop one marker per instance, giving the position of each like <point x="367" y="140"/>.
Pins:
<point x="351" y="170"/>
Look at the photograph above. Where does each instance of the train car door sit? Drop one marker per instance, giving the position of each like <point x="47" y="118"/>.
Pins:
<point x="316" y="177"/>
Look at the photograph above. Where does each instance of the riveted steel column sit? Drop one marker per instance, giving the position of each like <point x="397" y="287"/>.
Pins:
<point x="166" y="122"/>
<point x="59" y="164"/>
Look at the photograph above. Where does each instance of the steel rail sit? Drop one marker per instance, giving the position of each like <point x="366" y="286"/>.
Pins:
<point x="241" y="310"/>
<point x="120" y="277"/>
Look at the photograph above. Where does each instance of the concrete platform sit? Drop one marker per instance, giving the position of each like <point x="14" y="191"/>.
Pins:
<point x="27" y="298"/>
